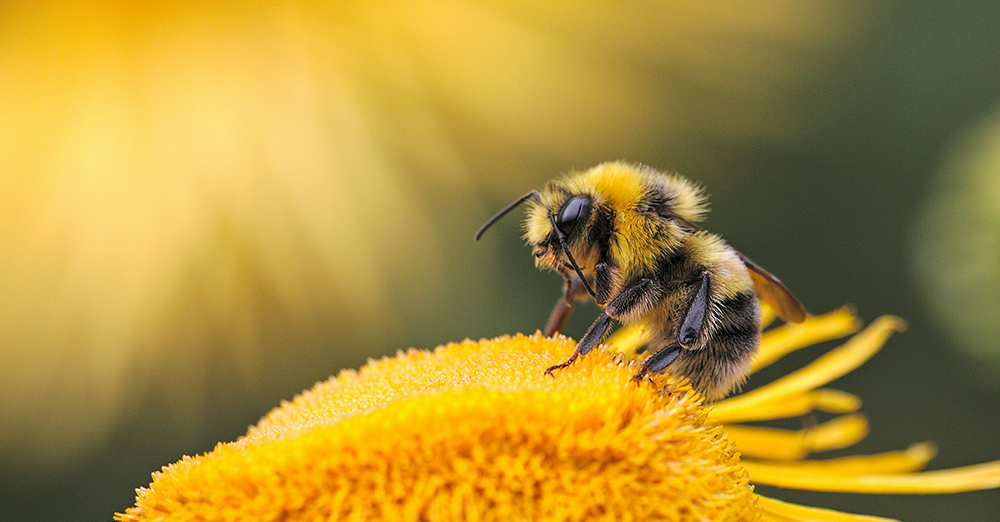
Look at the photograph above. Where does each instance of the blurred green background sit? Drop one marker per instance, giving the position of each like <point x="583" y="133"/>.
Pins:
<point x="204" y="208"/>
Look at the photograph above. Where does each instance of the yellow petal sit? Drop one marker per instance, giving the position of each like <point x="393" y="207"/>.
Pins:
<point x="914" y="458"/>
<point x="830" y="366"/>
<point x="969" y="478"/>
<point x="778" y="342"/>
<point x="824" y="399"/>
<point x="767" y="315"/>
<point x="628" y="339"/>
<point x="777" y="444"/>
<point x="778" y="511"/>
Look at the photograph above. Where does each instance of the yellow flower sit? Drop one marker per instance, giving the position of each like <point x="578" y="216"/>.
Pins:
<point x="476" y="431"/>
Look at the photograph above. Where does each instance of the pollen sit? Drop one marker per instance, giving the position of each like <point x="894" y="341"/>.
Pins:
<point x="469" y="431"/>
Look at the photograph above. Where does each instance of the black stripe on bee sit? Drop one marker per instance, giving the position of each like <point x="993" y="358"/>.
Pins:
<point x="602" y="230"/>
<point x="657" y="203"/>
<point x="678" y="266"/>
<point x="737" y="331"/>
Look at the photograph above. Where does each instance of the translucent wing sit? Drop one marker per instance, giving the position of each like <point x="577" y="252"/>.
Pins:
<point x="772" y="291"/>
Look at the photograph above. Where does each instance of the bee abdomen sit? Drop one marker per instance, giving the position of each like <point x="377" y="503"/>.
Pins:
<point x="738" y="324"/>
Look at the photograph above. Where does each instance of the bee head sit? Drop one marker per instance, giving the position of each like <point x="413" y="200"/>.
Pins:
<point x="553" y="223"/>
<point x="558" y="229"/>
<point x="625" y="215"/>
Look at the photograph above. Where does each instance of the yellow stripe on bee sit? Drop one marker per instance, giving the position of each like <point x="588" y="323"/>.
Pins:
<point x="623" y="187"/>
<point x="638" y="246"/>
<point x="620" y="185"/>
<point x="730" y="276"/>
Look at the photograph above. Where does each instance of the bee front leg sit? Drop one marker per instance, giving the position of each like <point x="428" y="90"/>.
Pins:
<point x="595" y="334"/>
<point x="635" y="295"/>
<point x="602" y="283"/>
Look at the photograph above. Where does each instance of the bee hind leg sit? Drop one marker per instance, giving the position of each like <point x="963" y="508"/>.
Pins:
<point x="590" y="339"/>
<point x="659" y="361"/>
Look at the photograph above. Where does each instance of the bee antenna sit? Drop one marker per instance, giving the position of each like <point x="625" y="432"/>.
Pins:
<point x="579" y="273"/>
<point x="562" y="238"/>
<point x="507" y="209"/>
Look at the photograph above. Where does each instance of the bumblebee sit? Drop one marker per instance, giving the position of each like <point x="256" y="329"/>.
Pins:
<point x="625" y="235"/>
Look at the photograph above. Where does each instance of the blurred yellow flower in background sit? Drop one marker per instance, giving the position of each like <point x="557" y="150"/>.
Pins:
<point x="478" y="431"/>
<point x="956" y="249"/>
<point x="191" y="186"/>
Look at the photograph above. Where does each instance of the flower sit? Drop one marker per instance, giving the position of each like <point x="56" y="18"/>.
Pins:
<point x="477" y="431"/>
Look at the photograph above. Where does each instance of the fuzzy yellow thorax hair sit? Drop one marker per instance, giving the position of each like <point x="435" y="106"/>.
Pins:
<point x="616" y="184"/>
<point x="639" y="238"/>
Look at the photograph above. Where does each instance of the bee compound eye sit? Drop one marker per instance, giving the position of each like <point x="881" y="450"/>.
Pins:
<point x="573" y="211"/>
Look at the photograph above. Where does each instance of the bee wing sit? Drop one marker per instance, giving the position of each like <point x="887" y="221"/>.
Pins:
<point x="772" y="291"/>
